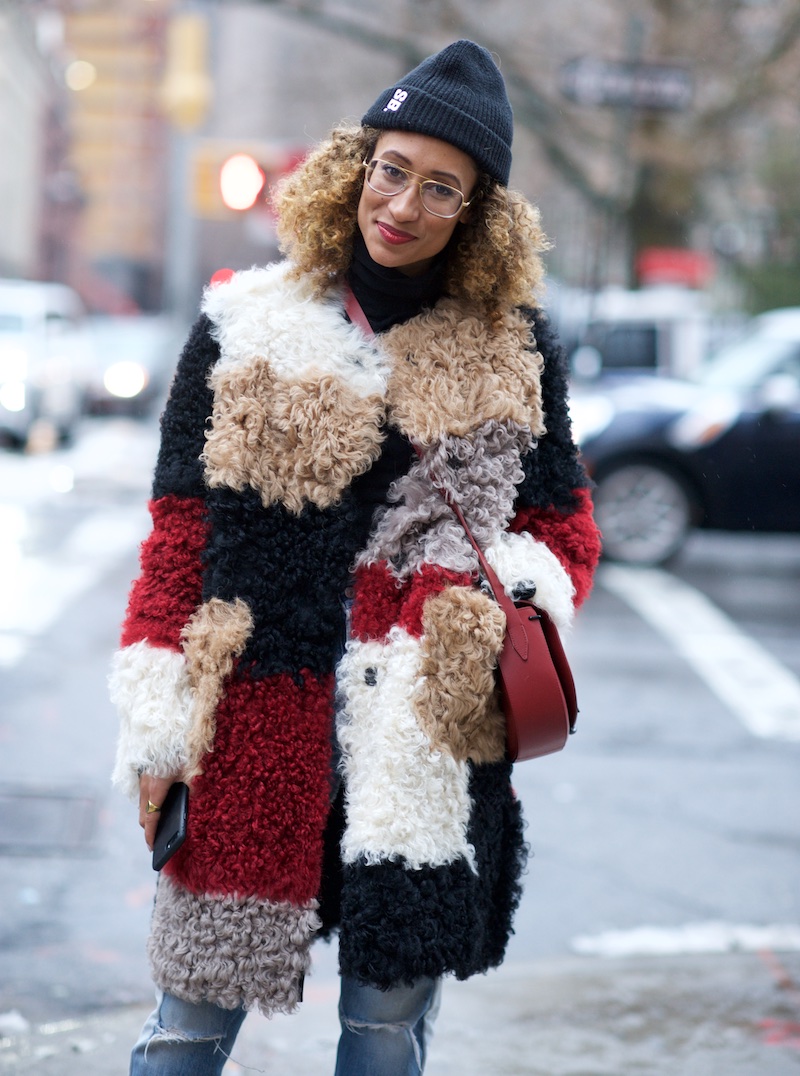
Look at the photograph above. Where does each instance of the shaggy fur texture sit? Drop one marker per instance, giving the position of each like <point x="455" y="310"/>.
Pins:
<point x="294" y="442"/>
<point x="479" y="473"/>
<point x="205" y="949"/>
<point x="272" y="560"/>
<point x="405" y="799"/>
<point x="456" y="702"/>
<point x="150" y="688"/>
<point x="258" y="810"/>
<point x="170" y="585"/>
<point x="449" y="367"/>
<point x="382" y="602"/>
<point x="298" y="394"/>
<point x="553" y="471"/>
<point x="518" y="557"/>
<point x="215" y="635"/>
<point x="266" y="314"/>
<point x="572" y="537"/>
<point x="439" y="920"/>
<point x="179" y="472"/>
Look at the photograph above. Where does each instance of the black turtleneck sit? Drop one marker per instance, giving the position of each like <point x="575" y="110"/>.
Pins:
<point x="389" y="297"/>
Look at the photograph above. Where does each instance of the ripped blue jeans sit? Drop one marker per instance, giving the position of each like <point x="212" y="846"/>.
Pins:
<point x="384" y="1033"/>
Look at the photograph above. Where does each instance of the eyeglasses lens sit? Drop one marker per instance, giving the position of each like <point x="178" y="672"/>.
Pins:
<point x="438" y="198"/>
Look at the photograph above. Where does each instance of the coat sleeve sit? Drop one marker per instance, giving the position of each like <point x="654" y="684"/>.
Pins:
<point x="149" y="683"/>
<point x="552" y="540"/>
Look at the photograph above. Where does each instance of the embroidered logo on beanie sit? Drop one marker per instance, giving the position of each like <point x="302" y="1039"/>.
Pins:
<point x="396" y="101"/>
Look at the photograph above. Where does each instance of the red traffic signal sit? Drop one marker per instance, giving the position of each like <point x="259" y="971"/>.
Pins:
<point x="241" y="181"/>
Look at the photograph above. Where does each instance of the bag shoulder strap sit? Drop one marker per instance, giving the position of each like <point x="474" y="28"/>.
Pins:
<point x="355" y="312"/>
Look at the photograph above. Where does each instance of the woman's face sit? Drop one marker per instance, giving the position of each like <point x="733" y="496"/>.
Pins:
<point x="399" y="232"/>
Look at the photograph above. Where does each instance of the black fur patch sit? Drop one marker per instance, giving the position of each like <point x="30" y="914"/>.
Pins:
<point x="400" y="924"/>
<point x="179" y="471"/>
<point x="291" y="570"/>
<point x="552" y="469"/>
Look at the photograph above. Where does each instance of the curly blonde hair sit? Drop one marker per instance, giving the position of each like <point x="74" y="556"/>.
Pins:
<point x="494" y="257"/>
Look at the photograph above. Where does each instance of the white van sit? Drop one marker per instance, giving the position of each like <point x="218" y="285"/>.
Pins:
<point x="44" y="360"/>
<point x="662" y="330"/>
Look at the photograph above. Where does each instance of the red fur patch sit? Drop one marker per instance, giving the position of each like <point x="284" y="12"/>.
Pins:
<point x="573" y="537"/>
<point x="376" y="603"/>
<point x="380" y="604"/>
<point x="170" y="587"/>
<point x="424" y="584"/>
<point x="258" y="812"/>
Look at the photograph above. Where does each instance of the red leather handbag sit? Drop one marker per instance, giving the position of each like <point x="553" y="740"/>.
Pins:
<point x="537" y="692"/>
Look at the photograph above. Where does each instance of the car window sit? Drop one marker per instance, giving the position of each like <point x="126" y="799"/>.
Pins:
<point x="11" y="323"/>
<point x="625" y="346"/>
<point x="745" y="364"/>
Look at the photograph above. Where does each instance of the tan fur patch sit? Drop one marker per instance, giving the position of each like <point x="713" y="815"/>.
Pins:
<point x="456" y="703"/>
<point x="452" y="371"/>
<point x="215" y="635"/>
<point x="292" y="441"/>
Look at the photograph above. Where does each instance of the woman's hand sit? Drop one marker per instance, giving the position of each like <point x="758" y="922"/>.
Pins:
<point x="152" y="792"/>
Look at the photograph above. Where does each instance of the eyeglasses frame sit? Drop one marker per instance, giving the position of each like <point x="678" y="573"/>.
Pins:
<point x="419" y="180"/>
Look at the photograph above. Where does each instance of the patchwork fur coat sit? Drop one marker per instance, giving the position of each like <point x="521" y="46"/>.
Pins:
<point x="231" y="671"/>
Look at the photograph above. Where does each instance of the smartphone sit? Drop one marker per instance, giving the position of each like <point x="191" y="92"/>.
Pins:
<point x="171" y="832"/>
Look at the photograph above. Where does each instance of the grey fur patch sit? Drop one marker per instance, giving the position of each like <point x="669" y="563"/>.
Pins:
<point x="480" y="472"/>
<point x="230" y="951"/>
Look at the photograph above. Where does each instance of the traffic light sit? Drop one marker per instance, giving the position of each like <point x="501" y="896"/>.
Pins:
<point x="230" y="177"/>
<point x="241" y="181"/>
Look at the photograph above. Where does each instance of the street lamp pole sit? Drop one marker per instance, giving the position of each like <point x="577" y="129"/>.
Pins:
<point x="186" y="94"/>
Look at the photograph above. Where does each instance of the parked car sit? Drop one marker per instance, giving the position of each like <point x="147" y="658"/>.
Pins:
<point x="44" y="357"/>
<point x="721" y="451"/>
<point x="134" y="358"/>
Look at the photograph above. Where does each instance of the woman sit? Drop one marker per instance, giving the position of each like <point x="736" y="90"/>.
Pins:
<point x="291" y="510"/>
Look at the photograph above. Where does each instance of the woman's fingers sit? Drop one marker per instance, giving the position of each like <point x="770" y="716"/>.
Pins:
<point x="152" y="793"/>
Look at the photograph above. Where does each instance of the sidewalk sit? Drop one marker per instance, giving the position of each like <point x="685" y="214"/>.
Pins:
<point x="730" y="1015"/>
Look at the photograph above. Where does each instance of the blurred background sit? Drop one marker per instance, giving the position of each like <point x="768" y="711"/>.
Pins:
<point x="661" y="141"/>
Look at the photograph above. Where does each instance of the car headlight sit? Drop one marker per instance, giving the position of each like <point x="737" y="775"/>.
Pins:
<point x="590" y="415"/>
<point x="13" y="396"/>
<point x="125" y="380"/>
<point x="13" y="363"/>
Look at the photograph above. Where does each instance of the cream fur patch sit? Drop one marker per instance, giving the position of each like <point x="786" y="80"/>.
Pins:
<point x="261" y="314"/>
<point x="150" y="687"/>
<point x="216" y="634"/>
<point x="457" y="702"/>
<point x="452" y="371"/>
<point x="519" y="558"/>
<point x="230" y="951"/>
<point x="405" y="798"/>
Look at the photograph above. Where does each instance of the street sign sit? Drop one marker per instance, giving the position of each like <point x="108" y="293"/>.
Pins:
<point x="590" y="81"/>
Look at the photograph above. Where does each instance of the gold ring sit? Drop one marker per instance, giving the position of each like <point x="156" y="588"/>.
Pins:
<point x="152" y="808"/>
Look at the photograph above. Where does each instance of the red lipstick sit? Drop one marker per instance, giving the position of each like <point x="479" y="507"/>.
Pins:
<point x="392" y="235"/>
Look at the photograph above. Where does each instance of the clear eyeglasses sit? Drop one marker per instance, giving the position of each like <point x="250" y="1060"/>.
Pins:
<point x="439" y="199"/>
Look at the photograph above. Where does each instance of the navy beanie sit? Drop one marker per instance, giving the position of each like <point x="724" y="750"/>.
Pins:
<point x="457" y="95"/>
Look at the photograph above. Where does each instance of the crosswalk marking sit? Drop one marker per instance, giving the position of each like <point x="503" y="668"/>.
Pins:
<point x="760" y="691"/>
<point x="36" y="590"/>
